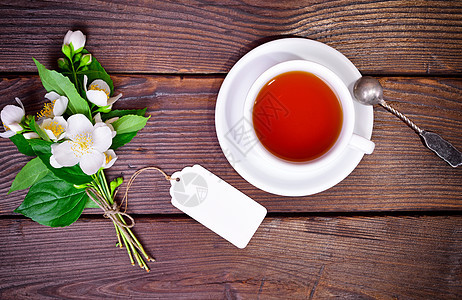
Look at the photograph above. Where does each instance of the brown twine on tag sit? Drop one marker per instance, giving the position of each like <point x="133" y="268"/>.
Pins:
<point x="130" y="182"/>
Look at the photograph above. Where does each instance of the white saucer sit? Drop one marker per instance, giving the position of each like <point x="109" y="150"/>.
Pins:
<point x="230" y="122"/>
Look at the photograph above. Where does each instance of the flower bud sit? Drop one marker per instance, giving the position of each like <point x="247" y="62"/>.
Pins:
<point x="85" y="60"/>
<point x="62" y="63"/>
<point x="77" y="57"/>
<point x="29" y="119"/>
<point x="75" y="39"/>
<point x="81" y="186"/>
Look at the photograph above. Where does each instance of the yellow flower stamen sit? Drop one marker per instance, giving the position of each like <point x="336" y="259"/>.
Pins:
<point x="47" y="110"/>
<point x="108" y="158"/>
<point x="55" y="128"/>
<point x="82" y="144"/>
<point x="6" y="127"/>
<point x="96" y="88"/>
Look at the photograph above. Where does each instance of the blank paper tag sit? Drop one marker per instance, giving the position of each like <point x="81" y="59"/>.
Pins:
<point x="217" y="205"/>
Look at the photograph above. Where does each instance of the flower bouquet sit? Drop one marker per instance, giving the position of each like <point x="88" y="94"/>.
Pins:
<point x="73" y="139"/>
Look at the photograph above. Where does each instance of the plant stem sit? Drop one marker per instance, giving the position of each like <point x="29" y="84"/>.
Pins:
<point x="105" y="188"/>
<point x="74" y="74"/>
<point x="80" y="91"/>
<point x="119" y="242"/>
<point x="128" y="248"/>
<point x="125" y="236"/>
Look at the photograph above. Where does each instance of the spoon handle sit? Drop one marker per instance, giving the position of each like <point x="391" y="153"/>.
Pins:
<point x="433" y="141"/>
<point x="401" y="116"/>
<point x="442" y="148"/>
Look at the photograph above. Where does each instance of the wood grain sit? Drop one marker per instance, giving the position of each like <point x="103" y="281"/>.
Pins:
<point x="391" y="230"/>
<point x="401" y="175"/>
<point x="380" y="37"/>
<point x="288" y="258"/>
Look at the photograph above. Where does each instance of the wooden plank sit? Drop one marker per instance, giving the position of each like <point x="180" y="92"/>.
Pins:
<point x="401" y="175"/>
<point x="296" y="258"/>
<point x="385" y="37"/>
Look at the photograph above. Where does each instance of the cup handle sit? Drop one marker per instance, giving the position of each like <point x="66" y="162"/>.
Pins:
<point x="361" y="144"/>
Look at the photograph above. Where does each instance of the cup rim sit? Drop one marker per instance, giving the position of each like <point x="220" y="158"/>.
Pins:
<point x="337" y="86"/>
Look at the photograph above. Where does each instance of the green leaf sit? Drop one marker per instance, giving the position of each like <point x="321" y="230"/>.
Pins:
<point x="22" y="144"/>
<point x="121" y="113"/>
<point x="96" y="71"/>
<point x="32" y="172"/>
<point x="53" y="202"/>
<point x="73" y="175"/>
<point x="54" y="81"/>
<point x="127" y="126"/>
<point x="115" y="184"/>
<point x="33" y="125"/>
<point x="91" y="204"/>
<point x="121" y="139"/>
<point x="130" y="123"/>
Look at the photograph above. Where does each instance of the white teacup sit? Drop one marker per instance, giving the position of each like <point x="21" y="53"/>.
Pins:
<point x="346" y="137"/>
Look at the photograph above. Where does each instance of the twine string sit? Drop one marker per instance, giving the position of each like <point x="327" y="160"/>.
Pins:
<point x="130" y="182"/>
<point x="110" y="211"/>
<point x="113" y="211"/>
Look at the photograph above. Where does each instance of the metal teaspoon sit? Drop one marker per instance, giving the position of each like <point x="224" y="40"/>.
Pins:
<point x="369" y="91"/>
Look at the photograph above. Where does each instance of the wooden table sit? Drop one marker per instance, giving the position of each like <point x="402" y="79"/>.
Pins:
<point x="392" y="229"/>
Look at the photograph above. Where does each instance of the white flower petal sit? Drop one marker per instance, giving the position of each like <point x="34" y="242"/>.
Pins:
<point x="45" y="122"/>
<point x="77" y="39"/>
<point x="110" y="158"/>
<point x="67" y="38"/>
<point x="20" y="103"/>
<point x="102" y="138"/>
<point x="99" y="124"/>
<point x="11" y="114"/>
<point x="7" y="134"/>
<point x="60" y="106"/>
<point x="102" y="85"/>
<point x="54" y="163"/>
<point x="15" y="127"/>
<point x="114" y="99"/>
<point x="105" y="124"/>
<point x="61" y="121"/>
<point x="114" y="133"/>
<point x="111" y="120"/>
<point x="52" y="96"/>
<point x="53" y="148"/>
<point x="85" y="82"/>
<point x="50" y="135"/>
<point x="55" y="128"/>
<point x="90" y="163"/>
<point x="30" y="135"/>
<point x="64" y="155"/>
<point x="57" y="125"/>
<point x="60" y="137"/>
<point x="97" y="97"/>
<point x="97" y="118"/>
<point x="108" y="123"/>
<point x="78" y="124"/>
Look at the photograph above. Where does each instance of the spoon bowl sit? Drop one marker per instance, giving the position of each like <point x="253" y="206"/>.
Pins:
<point x="368" y="91"/>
